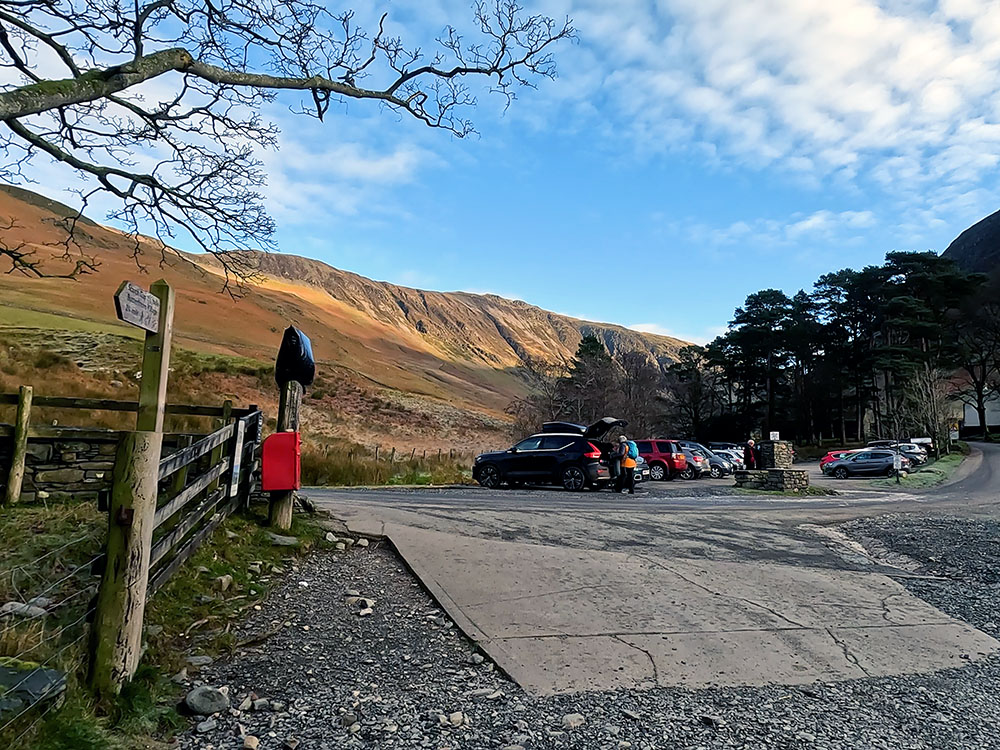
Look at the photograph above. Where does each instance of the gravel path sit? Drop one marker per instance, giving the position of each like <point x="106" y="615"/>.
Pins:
<point x="403" y="677"/>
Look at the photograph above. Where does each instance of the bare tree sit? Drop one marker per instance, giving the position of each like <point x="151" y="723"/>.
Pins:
<point x="186" y="164"/>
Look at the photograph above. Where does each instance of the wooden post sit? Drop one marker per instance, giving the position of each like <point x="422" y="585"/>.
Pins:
<point x="116" y="637"/>
<point x="156" y="363"/>
<point x="413" y="453"/>
<point x="282" y="503"/>
<point x="392" y="456"/>
<point x="15" y="477"/>
<point x="376" y="452"/>
<point x="218" y="451"/>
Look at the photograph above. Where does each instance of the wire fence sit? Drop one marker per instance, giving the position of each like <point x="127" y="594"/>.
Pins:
<point x="47" y="599"/>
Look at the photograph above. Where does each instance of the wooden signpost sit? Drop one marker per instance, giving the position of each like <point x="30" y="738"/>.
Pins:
<point x="117" y="630"/>
<point x="135" y="305"/>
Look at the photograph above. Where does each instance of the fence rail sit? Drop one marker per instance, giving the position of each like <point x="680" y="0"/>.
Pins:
<point x="104" y="404"/>
<point x="199" y="486"/>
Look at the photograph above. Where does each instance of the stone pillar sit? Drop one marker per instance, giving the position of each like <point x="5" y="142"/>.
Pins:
<point x="776" y="454"/>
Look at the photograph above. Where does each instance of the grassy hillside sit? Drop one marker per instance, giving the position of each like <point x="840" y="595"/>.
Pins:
<point x="435" y="369"/>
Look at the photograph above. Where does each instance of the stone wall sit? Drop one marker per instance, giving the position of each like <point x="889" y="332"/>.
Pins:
<point x="70" y="467"/>
<point x="776" y="455"/>
<point x="70" y="464"/>
<point x="773" y="480"/>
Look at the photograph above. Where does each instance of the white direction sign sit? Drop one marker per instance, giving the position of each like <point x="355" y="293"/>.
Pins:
<point x="775" y="436"/>
<point x="135" y="305"/>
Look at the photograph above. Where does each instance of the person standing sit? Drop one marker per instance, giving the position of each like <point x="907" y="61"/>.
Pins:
<point x="626" y="480"/>
<point x="749" y="456"/>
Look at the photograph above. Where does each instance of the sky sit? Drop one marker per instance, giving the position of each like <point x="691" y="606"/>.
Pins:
<point x="689" y="153"/>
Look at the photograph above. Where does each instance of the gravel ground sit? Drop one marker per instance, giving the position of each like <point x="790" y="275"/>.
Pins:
<point x="403" y="677"/>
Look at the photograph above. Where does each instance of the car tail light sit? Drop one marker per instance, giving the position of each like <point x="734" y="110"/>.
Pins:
<point x="677" y="456"/>
<point x="593" y="452"/>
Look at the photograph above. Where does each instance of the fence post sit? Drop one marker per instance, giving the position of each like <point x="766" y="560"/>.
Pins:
<point x="413" y="453"/>
<point x="392" y="456"/>
<point x="282" y="503"/>
<point x="16" y="475"/>
<point x="156" y="363"/>
<point x="376" y="452"/>
<point x="116" y="637"/>
<point x="217" y="451"/>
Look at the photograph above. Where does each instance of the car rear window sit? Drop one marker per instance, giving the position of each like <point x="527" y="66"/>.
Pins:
<point x="666" y="447"/>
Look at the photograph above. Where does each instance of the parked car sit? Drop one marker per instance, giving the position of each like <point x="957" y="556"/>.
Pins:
<point x="866" y="462"/>
<point x="837" y="455"/>
<point x="718" y="466"/>
<point x="880" y="443"/>
<point x="641" y="470"/>
<point x="734" y="455"/>
<point x="574" y="456"/>
<point x="666" y="458"/>
<point x="697" y="465"/>
<point x="716" y="447"/>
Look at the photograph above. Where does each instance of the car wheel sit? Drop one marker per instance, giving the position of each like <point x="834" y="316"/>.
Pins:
<point x="716" y="472"/>
<point x="573" y="478"/>
<point x="657" y="472"/>
<point x="489" y="477"/>
<point x="688" y="473"/>
<point x="841" y="473"/>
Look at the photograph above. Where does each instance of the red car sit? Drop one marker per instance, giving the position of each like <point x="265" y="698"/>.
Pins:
<point x="836" y="456"/>
<point x="666" y="459"/>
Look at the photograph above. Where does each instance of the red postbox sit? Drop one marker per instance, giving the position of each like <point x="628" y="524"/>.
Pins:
<point x="281" y="466"/>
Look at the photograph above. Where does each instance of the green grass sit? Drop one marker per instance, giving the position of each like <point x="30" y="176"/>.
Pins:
<point x="189" y="615"/>
<point x="23" y="318"/>
<point x="928" y="475"/>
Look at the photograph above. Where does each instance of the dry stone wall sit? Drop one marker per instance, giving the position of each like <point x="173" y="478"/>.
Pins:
<point x="773" y="480"/>
<point x="63" y="468"/>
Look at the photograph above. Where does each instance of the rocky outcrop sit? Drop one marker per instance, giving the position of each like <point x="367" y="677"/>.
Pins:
<point x="978" y="247"/>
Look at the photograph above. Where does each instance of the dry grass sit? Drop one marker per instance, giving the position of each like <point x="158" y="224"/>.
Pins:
<point x="352" y="465"/>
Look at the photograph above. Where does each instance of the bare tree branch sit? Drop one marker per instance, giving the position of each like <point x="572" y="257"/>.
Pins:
<point x="226" y="59"/>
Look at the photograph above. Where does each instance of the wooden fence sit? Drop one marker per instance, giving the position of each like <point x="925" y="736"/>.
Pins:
<point x="199" y="486"/>
<point x="159" y="515"/>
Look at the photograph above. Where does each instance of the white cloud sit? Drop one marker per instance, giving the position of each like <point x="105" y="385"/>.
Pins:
<point x="766" y="232"/>
<point x="904" y="92"/>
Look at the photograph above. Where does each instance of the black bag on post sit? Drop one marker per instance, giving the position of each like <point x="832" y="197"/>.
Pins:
<point x="295" y="359"/>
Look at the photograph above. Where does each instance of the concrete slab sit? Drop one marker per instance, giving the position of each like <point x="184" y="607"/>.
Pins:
<point x="562" y="619"/>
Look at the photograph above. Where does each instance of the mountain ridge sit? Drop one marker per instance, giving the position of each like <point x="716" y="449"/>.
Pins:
<point x="394" y="360"/>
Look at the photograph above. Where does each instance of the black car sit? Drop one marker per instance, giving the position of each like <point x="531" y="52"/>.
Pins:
<point x="878" y="462"/>
<point x="572" y="455"/>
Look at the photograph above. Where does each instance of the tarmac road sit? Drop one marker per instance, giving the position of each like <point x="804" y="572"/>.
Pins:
<point x="580" y="591"/>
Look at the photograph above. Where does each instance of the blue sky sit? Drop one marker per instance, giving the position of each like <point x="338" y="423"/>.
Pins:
<point x="690" y="152"/>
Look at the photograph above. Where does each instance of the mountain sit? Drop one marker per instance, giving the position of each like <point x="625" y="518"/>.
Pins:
<point x="978" y="247"/>
<point x="429" y="353"/>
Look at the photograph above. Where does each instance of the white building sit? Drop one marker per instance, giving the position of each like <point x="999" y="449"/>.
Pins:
<point x="992" y="414"/>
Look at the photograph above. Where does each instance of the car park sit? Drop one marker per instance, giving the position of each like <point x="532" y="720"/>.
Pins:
<point x="666" y="459"/>
<point x="877" y="462"/>
<point x="563" y="453"/>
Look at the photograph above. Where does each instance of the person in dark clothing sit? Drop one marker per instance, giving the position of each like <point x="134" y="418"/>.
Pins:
<point x="750" y="456"/>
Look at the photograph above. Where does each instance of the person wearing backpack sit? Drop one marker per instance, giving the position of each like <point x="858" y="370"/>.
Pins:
<point x="629" y="452"/>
